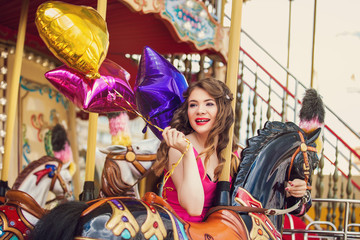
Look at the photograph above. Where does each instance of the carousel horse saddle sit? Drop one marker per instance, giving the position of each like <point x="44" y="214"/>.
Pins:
<point x="24" y="201"/>
<point x="229" y="229"/>
<point x="153" y="198"/>
<point x="223" y="224"/>
<point x="13" y="222"/>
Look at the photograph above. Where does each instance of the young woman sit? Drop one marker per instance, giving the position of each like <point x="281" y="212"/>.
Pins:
<point x="204" y="119"/>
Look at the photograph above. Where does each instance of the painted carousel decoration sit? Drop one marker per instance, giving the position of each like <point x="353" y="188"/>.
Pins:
<point x="45" y="108"/>
<point x="43" y="131"/>
<point x="189" y="20"/>
<point x="44" y="90"/>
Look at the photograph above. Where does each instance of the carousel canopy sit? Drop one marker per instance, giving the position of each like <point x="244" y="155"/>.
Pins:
<point x="130" y="27"/>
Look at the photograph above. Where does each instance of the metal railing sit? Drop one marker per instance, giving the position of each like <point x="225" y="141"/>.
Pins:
<point x="347" y="231"/>
<point x="263" y="95"/>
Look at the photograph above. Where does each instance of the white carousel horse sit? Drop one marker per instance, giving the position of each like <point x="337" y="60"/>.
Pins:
<point x="134" y="162"/>
<point x="26" y="200"/>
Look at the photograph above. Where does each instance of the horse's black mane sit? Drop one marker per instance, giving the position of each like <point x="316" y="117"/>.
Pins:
<point x="271" y="131"/>
<point x="58" y="138"/>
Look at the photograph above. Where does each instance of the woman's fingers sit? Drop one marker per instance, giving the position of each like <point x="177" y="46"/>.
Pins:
<point x="172" y="134"/>
<point x="174" y="138"/>
<point x="297" y="182"/>
<point x="180" y="137"/>
<point x="165" y="135"/>
<point x="296" y="188"/>
<point x="297" y="193"/>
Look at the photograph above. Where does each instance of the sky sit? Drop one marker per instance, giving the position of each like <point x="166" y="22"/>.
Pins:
<point x="337" y="46"/>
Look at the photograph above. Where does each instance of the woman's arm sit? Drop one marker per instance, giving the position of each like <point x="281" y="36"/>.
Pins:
<point x="186" y="175"/>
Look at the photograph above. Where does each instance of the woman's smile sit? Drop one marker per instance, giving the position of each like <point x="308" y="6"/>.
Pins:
<point x="202" y="121"/>
<point x="202" y="111"/>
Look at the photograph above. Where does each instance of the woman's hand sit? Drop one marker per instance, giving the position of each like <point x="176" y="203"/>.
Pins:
<point x="296" y="188"/>
<point x="175" y="139"/>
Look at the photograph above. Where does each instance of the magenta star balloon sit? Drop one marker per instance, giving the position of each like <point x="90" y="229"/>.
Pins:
<point x="158" y="89"/>
<point x="109" y="93"/>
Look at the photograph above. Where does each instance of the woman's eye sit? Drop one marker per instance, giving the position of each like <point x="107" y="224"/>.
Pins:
<point x="210" y="104"/>
<point x="192" y="105"/>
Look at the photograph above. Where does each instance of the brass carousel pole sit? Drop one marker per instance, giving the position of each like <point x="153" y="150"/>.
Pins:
<point x="74" y="148"/>
<point x="222" y="14"/>
<point x="288" y="53"/>
<point x="13" y="97"/>
<point x="88" y="193"/>
<point x="313" y="48"/>
<point x="223" y="186"/>
<point x="284" y="115"/>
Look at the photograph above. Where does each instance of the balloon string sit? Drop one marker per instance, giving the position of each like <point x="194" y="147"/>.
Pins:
<point x="174" y="165"/>
<point x="133" y="110"/>
<point x="137" y="113"/>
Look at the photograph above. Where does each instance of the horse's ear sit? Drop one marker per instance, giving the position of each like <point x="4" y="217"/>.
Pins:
<point x="312" y="136"/>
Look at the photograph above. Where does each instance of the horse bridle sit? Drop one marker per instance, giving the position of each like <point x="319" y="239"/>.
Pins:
<point x="135" y="159"/>
<point x="306" y="166"/>
<point x="57" y="176"/>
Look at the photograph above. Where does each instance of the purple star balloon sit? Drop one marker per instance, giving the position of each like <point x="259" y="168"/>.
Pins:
<point x="158" y="89"/>
<point x="95" y="95"/>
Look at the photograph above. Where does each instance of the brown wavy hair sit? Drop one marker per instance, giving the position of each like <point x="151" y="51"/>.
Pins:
<point x="224" y="119"/>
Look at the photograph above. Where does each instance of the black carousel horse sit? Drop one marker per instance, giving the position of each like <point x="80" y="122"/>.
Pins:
<point x="280" y="152"/>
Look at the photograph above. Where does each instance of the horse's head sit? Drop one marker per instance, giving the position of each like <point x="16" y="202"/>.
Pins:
<point x="304" y="160"/>
<point x="125" y="166"/>
<point x="279" y="153"/>
<point x="44" y="175"/>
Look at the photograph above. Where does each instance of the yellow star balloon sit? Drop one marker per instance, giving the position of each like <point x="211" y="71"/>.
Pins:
<point x="76" y="35"/>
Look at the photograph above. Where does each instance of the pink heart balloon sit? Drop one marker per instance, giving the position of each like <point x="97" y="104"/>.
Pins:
<point x="99" y="95"/>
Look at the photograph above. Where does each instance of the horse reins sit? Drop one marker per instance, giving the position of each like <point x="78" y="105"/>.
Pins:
<point x="271" y="211"/>
<point x="57" y="176"/>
